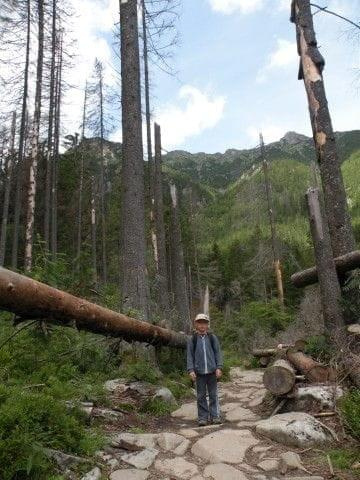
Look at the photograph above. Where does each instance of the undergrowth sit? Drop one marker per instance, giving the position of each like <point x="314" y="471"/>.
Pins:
<point x="350" y="410"/>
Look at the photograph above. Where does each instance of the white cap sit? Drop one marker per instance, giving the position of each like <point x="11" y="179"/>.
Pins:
<point x="202" y="316"/>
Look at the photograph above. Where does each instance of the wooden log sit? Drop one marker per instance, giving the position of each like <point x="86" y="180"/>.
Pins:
<point x="269" y="352"/>
<point x="264" y="352"/>
<point x="28" y="298"/>
<point x="343" y="264"/>
<point x="264" y="361"/>
<point x="279" y="378"/>
<point x="313" y="371"/>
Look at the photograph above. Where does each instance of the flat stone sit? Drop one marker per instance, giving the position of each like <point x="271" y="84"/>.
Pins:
<point x="295" y="429"/>
<point x="290" y="461"/>
<point x="173" y="442"/>
<point x="177" y="467"/>
<point x="261" y="449"/>
<point x="188" y="433"/>
<point x="110" y="461"/>
<point x="221" y="471"/>
<point x="246" y="424"/>
<point x="269" y="464"/>
<point x="197" y="477"/>
<point x="141" y="460"/>
<point x="227" y="407"/>
<point x="94" y="474"/>
<point x="240" y="414"/>
<point x="117" y="385"/>
<point x="143" y="440"/>
<point x="188" y="411"/>
<point x="129" y="474"/>
<point x="247" y="376"/>
<point x="257" y="400"/>
<point x="224" y="446"/>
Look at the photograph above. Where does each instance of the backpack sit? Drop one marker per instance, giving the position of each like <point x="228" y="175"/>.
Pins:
<point x="195" y="338"/>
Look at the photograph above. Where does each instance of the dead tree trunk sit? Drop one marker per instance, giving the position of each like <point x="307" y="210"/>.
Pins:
<point x="93" y="231"/>
<point x="280" y="377"/>
<point x="28" y="298"/>
<point x="311" y="68"/>
<point x="163" y="287"/>
<point x="178" y="265"/>
<point x="276" y="259"/>
<point x="313" y="371"/>
<point x="22" y="140"/>
<point x="9" y="165"/>
<point x="134" y="285"/>
<point x="329" y="284"/>
<point x="30" y="217"/>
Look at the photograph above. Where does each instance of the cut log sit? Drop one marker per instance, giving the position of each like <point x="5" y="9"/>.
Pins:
<point x="269" y="352"/>
<point x="343" y="264"/>
<point x="279" y="378"/>
<point x="264" y="361"/>
<point x="28" y="298"/>
<point x="313" y="371"/>
<point x="264" y="352"/>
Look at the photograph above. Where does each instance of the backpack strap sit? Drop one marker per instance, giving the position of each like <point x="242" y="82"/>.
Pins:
<point x="211" y="338"/>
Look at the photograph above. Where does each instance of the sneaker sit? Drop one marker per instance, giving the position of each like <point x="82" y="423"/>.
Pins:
<point x="202" y="423"/>
<point x="216" y="421"/>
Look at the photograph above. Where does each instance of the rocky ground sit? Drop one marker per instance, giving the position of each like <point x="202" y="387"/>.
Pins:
<point x="244" y="447"/>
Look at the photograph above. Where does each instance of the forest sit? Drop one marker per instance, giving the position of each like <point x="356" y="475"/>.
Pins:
<point x="111" y="245"/>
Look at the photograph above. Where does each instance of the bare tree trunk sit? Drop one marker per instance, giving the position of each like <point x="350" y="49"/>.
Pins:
<point x="93" y="231"/>
<point x="276" y="259"/>
<point x="50" y="139"/>
<point x="163" y="286"/>
<point x="102" y="181"/>
<point x="10" y="160"/>
<point x="311" y="68"/>
<point x="328" y="280"/>
<point x="196" y="261"/>
<point x="134" y="286"/>
<point x="22" y="140"/>
<point x="178" y="265"/>
<point x="30" y="217"/>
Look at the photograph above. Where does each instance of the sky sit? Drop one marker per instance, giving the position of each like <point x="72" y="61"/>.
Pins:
<point x="236" y="65"/>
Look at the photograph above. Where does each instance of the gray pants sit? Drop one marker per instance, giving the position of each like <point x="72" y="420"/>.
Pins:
<point x="207" y="384"/>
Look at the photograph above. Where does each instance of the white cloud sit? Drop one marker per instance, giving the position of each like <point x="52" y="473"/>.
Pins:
<point x="284" y="55"/>
<point x="198" y="111"/>
<point x="231" y="6"/>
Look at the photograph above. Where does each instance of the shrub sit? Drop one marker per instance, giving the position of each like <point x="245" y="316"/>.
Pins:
<point x="140" y="371"/>
<point x="320" y="348"/>
<point x="157" y="407"/>
<point x="350" y="409"/>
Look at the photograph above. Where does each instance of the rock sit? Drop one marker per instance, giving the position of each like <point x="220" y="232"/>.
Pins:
<point x="241" y="414"/>
<point x="296" y="429"/>
<point x="354" y="328"/>
<point x="304" y="478"/>
<point x="144" y="440"/>
<point x="108" y="415"/>
<point x="64" y="460"/>
<point x="325" y="395"/>
<point x="260" y="449"/>
<point x="129" y="474"/>
<point x="94" y="474"/>
<point x="166" y="395"/>
<point x="86" y="407"/>
<point x="221" y="471"/>
<point x="356" y="466"/>
<point x="247" y="376"/>
<point x="177" y="467"/>
<point x="172" y="442"/>
<point x="141" y="460"/>
<point x="144" y="389"/>
<point x="258" y="399"/>
<point x="108" y="459"/>
<point x="269" y="464"/>
<point x="188" y="433"/>
<point x="188" y="411"/>
<point x="224" y="446"/>
<point x="291" y="461"/>
<point x="118" y="385"/>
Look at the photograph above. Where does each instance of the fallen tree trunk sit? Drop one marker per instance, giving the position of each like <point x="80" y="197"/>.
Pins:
<point x="313" y="371"/>
<point x="279" y="378"/>
<point x="28" y="298"/>
<point x="343" y="264"/>
<point x="269" y="352"/>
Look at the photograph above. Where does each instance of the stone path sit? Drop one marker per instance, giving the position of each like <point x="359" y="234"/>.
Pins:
<point x="232" y="451"/>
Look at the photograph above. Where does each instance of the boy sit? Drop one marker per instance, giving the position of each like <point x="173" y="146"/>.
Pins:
<point x="204" y="365"/>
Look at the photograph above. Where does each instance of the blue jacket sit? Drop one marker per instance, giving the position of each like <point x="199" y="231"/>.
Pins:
<point x="205" y="359"/>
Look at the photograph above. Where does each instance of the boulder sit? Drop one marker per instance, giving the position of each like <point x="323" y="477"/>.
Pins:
<point x="94" y="474"/>
<point x="188" y="411"/>
<point x="129" y="474"/>
<point x="118" y="385"/>
<point x="221" y="471"/>
<point x="323" y="395"/>
<point x="141" y="460"/>
<point x="108" y="415"/>
<point x="166" y="395"/>
<point x="177" y="467"/>
<point x="296" y="429"/>
<point x="224" y="446"/>
<point x="144" y="389"/>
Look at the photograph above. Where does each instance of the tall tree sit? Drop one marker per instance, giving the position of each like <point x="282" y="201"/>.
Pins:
<point x="134" y="282"/>
<point x="30" y="217"/>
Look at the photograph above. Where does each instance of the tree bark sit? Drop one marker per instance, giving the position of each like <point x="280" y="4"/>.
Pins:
<point x="280" y="377"/>
<point x="311" y="68"/>
<point x="328" y="281"/>
<point x="22" y="140"/>
<point x="30" y="217"/>
<point x="178" y="265"/>
<point x="102" y="179"/>
<point x="313" y="371"/>
<point x="9" y="165"/>
<point x="163" y="286"/>
<point x="93" y="231"/>
<point x="28" y="298"/>
<point x="134" y="285"/>
<point x="343" y="265"/>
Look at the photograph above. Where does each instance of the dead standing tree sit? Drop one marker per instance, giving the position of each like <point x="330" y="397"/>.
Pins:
<point x="275" y="250"/>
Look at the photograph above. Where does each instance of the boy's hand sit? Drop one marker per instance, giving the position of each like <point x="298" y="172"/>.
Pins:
<point x="192" y="376"/>
<point x="218" y="373"/>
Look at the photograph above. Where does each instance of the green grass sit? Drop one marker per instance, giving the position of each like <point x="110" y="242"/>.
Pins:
<point x="157" y="407"/>
<point x="345" y="458"/>
<point x="350" y="410"/>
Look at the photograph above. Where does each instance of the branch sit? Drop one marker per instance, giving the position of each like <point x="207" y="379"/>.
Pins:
<point x="325" y="9"/>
